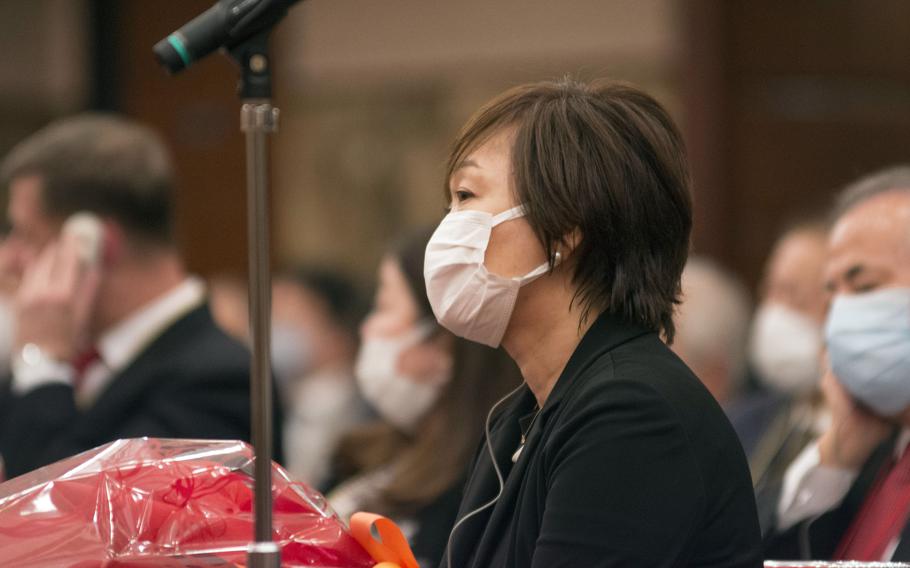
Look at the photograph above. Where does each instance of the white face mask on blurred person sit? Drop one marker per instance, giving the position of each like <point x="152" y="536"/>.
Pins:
<point x="400" y="400"/>
<point x="784" y="348"/>
<point x="292" y="353"/>
<point x="466" y="298"/>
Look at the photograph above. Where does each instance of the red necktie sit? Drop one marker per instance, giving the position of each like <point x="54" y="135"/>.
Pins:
<point x="882" y="516"/>
<point x="81" y="363"/>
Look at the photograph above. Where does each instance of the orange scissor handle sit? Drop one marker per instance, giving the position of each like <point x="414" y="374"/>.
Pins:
<point x="391" y="546"/>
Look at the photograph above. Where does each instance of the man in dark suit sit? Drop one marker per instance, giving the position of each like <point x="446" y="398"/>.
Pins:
<point x="114" y="338"/>
<point x="847" y="496"/>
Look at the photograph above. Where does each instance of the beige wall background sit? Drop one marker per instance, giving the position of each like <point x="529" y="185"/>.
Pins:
<point x="781" y="104"/>
<point x="372" y="93"/>
<point x="45" y="68"/>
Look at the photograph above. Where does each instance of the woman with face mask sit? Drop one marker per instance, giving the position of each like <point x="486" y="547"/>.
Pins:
<point x="786" y="340"/>
<point x="314" y="339"/>
<point x="430" y="391"/>
<point x="568" y="232"/>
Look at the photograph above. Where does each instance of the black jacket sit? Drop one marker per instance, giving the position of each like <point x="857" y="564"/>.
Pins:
<point x="434" y="521"/>
<point x="818" y="538"/>
<point x="190" y="382"/>
<point x="631" y="462"/>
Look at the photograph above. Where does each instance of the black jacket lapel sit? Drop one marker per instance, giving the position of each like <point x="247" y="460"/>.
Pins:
<point x="148" y="366"/>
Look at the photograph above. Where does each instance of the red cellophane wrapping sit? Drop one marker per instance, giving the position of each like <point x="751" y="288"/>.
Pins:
<point x="163" y="503"/>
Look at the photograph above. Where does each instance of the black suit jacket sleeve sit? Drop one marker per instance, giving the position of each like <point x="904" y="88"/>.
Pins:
<point x="192" y="382"/>
<point x="208" y="406"/>
<point x="622" y="479"/>
<point x="32" y="426"/>
<point x="41" y="428"/>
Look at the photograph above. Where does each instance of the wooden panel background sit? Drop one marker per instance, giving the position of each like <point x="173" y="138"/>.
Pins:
<point x="198" y="113"/>
<point x="797" y="99"/>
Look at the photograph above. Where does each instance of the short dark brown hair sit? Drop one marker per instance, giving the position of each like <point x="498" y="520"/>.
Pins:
<point x="604" y="159"/>
<point x="103" y="164"/>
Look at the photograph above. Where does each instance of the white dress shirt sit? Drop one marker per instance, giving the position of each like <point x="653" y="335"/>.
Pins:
<point x="118" y="346"/>
<point x="323" y="407"/>
<point x="812" y="489"/>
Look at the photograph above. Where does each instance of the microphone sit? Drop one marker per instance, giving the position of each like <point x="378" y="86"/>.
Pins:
<point x="226" y="24"/>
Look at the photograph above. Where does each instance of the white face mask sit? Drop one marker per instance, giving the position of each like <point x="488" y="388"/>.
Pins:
<point x="400" y="400"/>
<point x="292" y="353"/>
<point x="466" y="298"/>
<point x="784" y="348"/>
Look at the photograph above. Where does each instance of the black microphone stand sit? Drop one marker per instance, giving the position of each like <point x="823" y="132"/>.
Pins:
<point x="258" y="119"/>
<point x="226" y="24"/>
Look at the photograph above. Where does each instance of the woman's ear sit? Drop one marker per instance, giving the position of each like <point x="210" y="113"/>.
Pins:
<point x="568" y="244"/>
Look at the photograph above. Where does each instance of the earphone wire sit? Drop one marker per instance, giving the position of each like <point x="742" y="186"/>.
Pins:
<point x="489" y="444"/>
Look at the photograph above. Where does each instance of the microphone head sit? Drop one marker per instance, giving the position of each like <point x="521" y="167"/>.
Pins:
<point x="172" y="54"/>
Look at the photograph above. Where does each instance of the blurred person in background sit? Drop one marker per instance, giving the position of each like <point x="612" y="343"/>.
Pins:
<point x="786" y="335"/>
<point x="9" y="283"/>
<point x="785" y="351"/>
<point x="119" y="342"/>
<point x="712" y="337"/>
<point x="432" y="392"/>
<point x="315" y="315"/>
<point x="712" y="324"/>
<point x="230" y="304"/>
<point x="847" y="496"/>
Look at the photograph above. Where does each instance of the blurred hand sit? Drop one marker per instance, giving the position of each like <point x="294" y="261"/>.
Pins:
<point x="426" y="362"/>
<point x="854" y="432"/>
<point x="9" y="275"/>
<point x="55" y="300"/>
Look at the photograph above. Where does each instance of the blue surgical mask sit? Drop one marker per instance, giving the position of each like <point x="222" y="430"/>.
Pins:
<point x="868" y="337"/>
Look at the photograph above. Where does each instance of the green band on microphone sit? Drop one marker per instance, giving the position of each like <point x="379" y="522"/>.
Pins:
<point x="180" y="49"/>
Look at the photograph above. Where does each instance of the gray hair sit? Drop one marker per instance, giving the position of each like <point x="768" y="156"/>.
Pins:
<point x="869" y="186"/>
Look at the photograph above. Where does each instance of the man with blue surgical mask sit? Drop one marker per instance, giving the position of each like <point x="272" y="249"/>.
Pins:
<point x="847" y="496"/>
